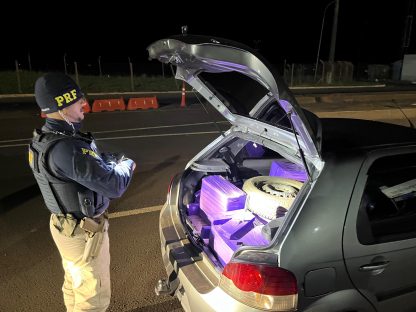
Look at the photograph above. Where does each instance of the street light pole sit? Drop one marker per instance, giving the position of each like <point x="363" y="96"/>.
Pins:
<point x="334" y="32"/>
<point x="320" y="38"/>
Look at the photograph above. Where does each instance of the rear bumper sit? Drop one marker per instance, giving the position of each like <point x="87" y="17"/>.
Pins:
<point x="192" y="277"/>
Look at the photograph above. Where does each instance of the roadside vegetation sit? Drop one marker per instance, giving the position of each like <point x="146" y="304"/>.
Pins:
<point x="24" y="81"/>
<point x="9" y="83"/>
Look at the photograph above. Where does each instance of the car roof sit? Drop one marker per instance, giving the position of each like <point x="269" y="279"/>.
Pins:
<point x="343" y="134"/>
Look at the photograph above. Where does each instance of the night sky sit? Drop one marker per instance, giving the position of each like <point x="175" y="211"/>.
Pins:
<point x="368" y="31"/>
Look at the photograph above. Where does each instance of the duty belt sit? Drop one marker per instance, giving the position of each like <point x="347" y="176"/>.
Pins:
<point x="66" y="224"/>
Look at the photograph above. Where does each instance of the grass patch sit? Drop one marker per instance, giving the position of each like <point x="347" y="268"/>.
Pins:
<point x="9" y="83"/>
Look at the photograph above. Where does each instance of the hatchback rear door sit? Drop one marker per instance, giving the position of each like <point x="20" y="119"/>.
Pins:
<point x="244" y="88"/>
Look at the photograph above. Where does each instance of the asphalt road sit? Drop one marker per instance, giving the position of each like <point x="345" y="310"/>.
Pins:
<point x="160" y="141"/>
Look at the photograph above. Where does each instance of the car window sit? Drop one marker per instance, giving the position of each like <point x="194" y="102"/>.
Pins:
<point x="388" y="206"/>
<point x="238" y="92"/>
<point x="275" y="115"/>
<point x="241" y="93"/>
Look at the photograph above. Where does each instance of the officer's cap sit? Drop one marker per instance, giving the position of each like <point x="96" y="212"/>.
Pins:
<point x="55" y="91"/>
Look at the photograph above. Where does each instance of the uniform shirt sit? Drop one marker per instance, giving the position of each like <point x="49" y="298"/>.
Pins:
<point x="81" y="162"/>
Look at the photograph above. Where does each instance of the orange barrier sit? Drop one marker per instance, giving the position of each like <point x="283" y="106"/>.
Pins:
<point x="108" y="105"/>
<point x="142" y="103"/>
<point x="86" y="108"/>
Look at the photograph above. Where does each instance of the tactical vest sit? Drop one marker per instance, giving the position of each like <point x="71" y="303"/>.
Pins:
<point x="61" y="195"/>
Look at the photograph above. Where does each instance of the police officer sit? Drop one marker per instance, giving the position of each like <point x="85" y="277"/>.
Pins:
<point x="77" y="183"/>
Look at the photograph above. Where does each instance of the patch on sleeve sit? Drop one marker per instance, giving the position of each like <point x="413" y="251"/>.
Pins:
<point x="86" y="151"/>
<point x="30" y="158"/>
<point x="33" y="159"/>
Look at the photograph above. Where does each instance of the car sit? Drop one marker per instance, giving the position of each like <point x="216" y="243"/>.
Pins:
<point x="285" y="211"/>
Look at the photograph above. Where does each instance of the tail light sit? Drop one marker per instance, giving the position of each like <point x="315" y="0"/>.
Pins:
<point x="260" y="286"/>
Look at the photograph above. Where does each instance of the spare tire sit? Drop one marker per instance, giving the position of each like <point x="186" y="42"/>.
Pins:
<point x="270" y="197"/>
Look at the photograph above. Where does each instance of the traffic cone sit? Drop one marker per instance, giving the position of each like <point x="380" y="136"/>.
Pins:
<point x="183" y="104"/>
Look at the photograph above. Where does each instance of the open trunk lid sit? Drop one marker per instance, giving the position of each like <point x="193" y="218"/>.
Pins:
<point x="244" y="88"/>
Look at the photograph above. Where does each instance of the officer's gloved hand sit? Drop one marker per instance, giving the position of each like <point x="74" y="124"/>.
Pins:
<point x="129" y="162"/>
<point x="112" y="157"/>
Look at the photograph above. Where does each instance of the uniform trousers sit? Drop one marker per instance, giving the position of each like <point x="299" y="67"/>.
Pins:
<point x="86" y="285"/>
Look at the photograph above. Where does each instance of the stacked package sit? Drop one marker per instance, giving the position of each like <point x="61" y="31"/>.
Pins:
<point x="219" y="197"/>
<point x="237" y="232"/>
<point x="217" y="216"/>
<point x="285" y="169"/>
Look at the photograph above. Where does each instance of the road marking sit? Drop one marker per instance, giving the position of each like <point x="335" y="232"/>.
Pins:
<point x="158" y="127"/>
<point x="133" y="212"/>
<point x="17" y="140"/>
<point x="122" y="130"/>
<point x="156" y="135"/>
<point x="339" y="87"/>
<point x="132" y="137"/>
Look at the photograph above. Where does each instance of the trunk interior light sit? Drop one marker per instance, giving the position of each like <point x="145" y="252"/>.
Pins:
<point x="260" y="286"/>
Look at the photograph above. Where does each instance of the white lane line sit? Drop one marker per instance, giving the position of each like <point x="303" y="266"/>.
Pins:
<point x="15" y="145"/>
<point x="17" y="140"/>
<point x="134" y="129"/>
<point x="156" y="135"/>
<point x="133" y="212"/>
<point x="159" y="127"/>
<point x="340" y="87"/>
<point x="133" y="137"/>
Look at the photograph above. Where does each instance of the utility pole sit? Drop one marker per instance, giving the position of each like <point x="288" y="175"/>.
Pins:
<point x="131" y="75"/>
<point x="29" y="61"/>
<point x="320" y="38"/>
<point x="333" y="41"/>
<point x="407" y="32"/>
<point x="334" y="32"/>
<point x="19" y="85"/>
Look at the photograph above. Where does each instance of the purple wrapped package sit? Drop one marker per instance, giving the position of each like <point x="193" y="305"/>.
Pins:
<point x="225" y="238"/>
<point x="193" y="209"/>
<point x="219" y="195"/>
<point x="254" y="150"/>
<point x="200" y="226"/>
<point x="285" y="169"/>
<point x="217" y="217"/>
<point x="238" y="226"/>
<point x="254" y="237"/>
<point x="224" y="247"/>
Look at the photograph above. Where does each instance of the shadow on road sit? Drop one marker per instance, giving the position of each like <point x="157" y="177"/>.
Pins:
<point x="11" y="201"/>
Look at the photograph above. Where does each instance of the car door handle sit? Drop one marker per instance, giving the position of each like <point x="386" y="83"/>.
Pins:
<point x="374" y="266"/>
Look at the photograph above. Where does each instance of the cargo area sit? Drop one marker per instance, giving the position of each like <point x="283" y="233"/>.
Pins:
<point x="238" y="196"/>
